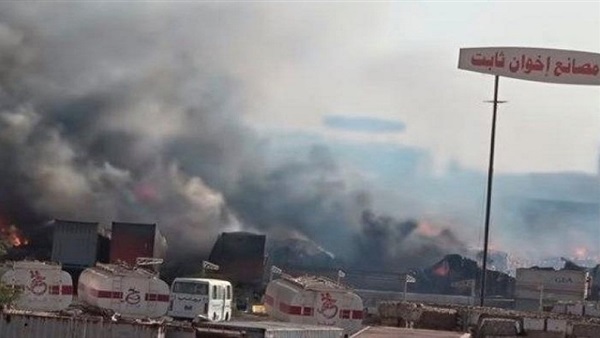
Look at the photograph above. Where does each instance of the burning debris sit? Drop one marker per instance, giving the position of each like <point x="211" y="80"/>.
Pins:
<point x="12" y="235"/>
<point x="388" y="244"/>
<point x="443" y="276"/>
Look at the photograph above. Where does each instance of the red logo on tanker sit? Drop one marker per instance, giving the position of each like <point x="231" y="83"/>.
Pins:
<point x="37" y="284"/>
<point x="328" y="307"/>
<point x="133" y="297"/>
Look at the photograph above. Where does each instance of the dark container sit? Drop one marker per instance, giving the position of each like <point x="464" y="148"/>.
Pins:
<point x="240" y="256"/>
<point x="132" y="240"/>
<point x="78" y="244"/>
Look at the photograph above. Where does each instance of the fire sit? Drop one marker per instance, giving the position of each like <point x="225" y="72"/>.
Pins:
<point x="427" y="229"/>
<point x="12" y="235"/>
<point x="442" y="269"/>
<point x="580" y="252"/>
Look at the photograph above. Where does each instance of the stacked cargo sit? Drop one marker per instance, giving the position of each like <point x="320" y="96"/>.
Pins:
<point x="314" y="300"/>
<point x="128" y="291"/>
<point x="133" y="240"/>
<point x="43" y="286"/>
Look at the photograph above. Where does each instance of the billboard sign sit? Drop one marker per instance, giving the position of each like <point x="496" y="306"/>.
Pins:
<point x="565" y="285"/>
<point x="534" y="64"/>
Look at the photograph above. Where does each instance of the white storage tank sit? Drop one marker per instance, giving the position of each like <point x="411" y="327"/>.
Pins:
<point x="44" y="286"/>
<point x="316" y="301"/>
<point x="130" y="292"/>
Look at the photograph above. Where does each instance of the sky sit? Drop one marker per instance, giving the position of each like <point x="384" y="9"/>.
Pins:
<point x="397" y="61"/>
<point x="326" y="120"/>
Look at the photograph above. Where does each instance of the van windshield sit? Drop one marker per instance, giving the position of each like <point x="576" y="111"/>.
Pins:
<point x="190" y="288"/>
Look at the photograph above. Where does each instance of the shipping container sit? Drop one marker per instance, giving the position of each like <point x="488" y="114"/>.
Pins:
<point x="131" y="292"/>
<point x="43" y="286"/>
<point x="314" y="300"/>
<point x="267" y="329"/>
<point x="132" y="240"/>
<point x="550" y="284"/>
<point x="21" y="324"/>
<point x="78" y="244"/>
<point x="240" y="256"/>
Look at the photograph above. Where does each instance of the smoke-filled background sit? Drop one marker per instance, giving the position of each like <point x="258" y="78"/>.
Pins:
<point x="180" y="115"/>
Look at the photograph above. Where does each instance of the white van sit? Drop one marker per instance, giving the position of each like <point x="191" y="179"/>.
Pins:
<point x="204" y="297"/>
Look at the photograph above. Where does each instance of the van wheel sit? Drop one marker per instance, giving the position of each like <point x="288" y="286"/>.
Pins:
<point x="227" y="316"/>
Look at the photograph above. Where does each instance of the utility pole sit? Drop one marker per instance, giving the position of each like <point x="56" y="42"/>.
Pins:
<point x="488" y="204"/>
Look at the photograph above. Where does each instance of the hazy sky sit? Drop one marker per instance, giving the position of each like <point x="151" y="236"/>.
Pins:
<point x="398" y="61"/>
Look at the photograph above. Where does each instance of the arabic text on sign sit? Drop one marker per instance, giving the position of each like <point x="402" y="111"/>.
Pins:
<point x="527" y="65"/>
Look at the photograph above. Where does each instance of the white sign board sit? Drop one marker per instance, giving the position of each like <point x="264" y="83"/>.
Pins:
<point x="209" y="266"/>
<point x="566" y="285"/>
<point x="534" y="64"/>
<point x="410" y="279"/>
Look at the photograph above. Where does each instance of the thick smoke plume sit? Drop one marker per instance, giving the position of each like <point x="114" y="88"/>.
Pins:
<point x="128" y="113"/>
<point x="139" y="113"/>
<point x="386" y="243"/>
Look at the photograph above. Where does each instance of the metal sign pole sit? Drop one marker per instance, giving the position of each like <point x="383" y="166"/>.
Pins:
<point x="472" y="300"/>
<point x="542" y="298"/>
<point x="489" y="193"/>
<point x="408" y="279"/>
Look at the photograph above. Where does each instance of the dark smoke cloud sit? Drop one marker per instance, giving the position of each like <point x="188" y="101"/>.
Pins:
<point x="135" y="112"/>
<point x="98" y="122"/>
<point x="385" y="243"/>
<point x="125" y="114"/>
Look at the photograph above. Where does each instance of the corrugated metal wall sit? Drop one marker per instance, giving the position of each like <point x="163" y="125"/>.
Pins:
<point x="131" y="240"/>
<point x="21" y="324"/>
<point x="24" y="325"/>
<point x="268" y="329"/>
<point x="75" y="244"/>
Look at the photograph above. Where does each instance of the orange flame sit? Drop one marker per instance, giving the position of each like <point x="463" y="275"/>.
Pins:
<point x="427" y="229"/>
<point x="581" y="252"/>
<point x="442" y="270"/>
<point x="12" y="235"/>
